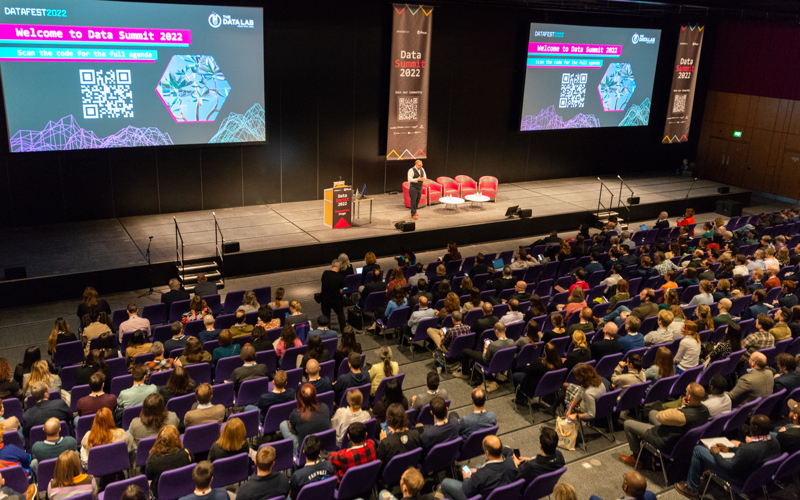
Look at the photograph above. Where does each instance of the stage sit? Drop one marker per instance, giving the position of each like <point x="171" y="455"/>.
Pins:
<point x="60" y="260"/>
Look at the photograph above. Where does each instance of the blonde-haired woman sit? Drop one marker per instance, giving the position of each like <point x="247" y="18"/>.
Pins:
<point x="386" y="368"/>
<point x="295" y="316"/>
<point x="688" y="355"/>
<point x="60" y="333"/>
<point x="40" y="372"/>
<point x="580" y="353"/>
<point x="232" y="441"/>
<point x="249" y="303"/>
<point x="564" y="491"/>
<point x="103" y="431"/>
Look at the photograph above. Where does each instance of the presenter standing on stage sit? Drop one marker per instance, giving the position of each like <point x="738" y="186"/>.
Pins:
<point x="416" y="176"/>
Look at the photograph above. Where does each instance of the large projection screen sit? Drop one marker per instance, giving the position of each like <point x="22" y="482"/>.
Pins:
<point x="588" y="77"/>
<point x="92" y="74"/>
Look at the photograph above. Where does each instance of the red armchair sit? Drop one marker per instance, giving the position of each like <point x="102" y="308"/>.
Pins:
<point x="431" y="192"/>
<point x="487" y="186"/>
<point x="449" y="186"/>
<point x="468" y="185"/>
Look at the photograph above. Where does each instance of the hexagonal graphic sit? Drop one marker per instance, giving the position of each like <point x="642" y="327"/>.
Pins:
<point x="616" y="87"/>
<point x="193" y="88"/>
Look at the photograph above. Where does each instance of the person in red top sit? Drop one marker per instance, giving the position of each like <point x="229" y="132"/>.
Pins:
<point x="688" y="219"/>
<point x="773" y="281"/>
<point x="361" y="452"/>
<point x="91" y="404"/>
<point x="580" y="280"/>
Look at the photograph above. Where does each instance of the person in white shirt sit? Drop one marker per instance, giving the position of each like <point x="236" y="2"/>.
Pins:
<point x="758" y="263"/>
<point x="420" y="274"/>
<point x="416" y="177"/>
<point x="718" y="402"/>
<point x="134" y="322"/>
<point x="741" y="266"/>
<point x="513" y="315"/>
<point x="614" y="277"/>
<point x="688" y="355"/>
<point x="770" y="260"/>
<point x="345" y="416"/>
<point x="423" y="312"/>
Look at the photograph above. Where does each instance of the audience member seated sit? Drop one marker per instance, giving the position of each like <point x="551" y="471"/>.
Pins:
<point x="662" y="334"/>
<point x="432" y="385"/>
<point x="621" y="294"/>
<point x="781" y="330"/>
<point x="178" y="339"/>
<point x="194" y="353"/>
<point x="479" y="419"/>
<point x="137" y="345"/>
<point x="513" y="315"/>
<point x="688" y="355"/>
<point x="633" y="339"/>
<point x="11" y="455"/>
<point x="323" y="331"/>
<point x="69" y="479"/>
<point x="584" y="324"/>
<point x="288" y="340"/>
<point x="260" y="341"/>
<point x="386" y="368"/>
<point x="580" y="353"/>
<point x="718" y="401"/>
<point x="40" y="372"/>
<point x="667" y="426"/>
<point x="399" y="439"/>
<point x="444" y="340"/>
<point x="202" y="475"/>
<point x="91" y="404"/>
<point x="53" y="445"/>
<point x="354" y="378"/>
<point x="60" y="334"/>
<point x="204" y="287"/>
<point x="731" y="342"/>
<point x="349" y="414"/>
<point x="249" y="303"/>
<point x="94" y="362"/>
<point x="166" y="454"/>
<point x="315" y="469"/>
<point x="609" y="344"/>
<point x="279" y="395"/>
<point x="152" y="418"/>
<point x="392" y="394"/>
<point x="788" y="436"/>
<point x="266" y="318"/>
<point x="419" y="274"/>
<point x="444" y="428"/>
<point x="584" y="394"/>
<point x="316" y="351"/>
<point x="175" y="293"/>
<point x="204" y="412"/>
<point x="788" y="378"/>
<point x="103" y="431"/>
<point x="178" y="384"/>
<point x="756" y="383"/>
<point x="295" y="316"/>
<point x="210" y="332"/>
<point x="758" y="307"/>
<point x="788" y="297"/>
<point x="549" y="460"/>
<point x="488" y="320"/>
<point x="310" y="417"/>
<point x="635" y="375"/>
<point x="232" y="440"/>
<point x="504" y="282"/>
<point x="411" y="483"/>
<point x="249" y="369"/>
<point x="361" y="451"/>
<point x="91" y="303"/>
<point x="9" y="388"/>
<point x="497" y="471"/>
<point x="558" y="327"/>
<point x="226" y="347"/>
<point x="197" y="310"/>
<point x="761" y="338"/>
<point x="422" y="291"/>
<point x="663" y="366"/>
<point x="647" y="309"/>
<point x="321" y="384"/>
<point x="748" y="456"/>
<point x="161" y="361"/>
<point x="469" y="356"/>
<point x="240" y="328"/>
<point x="44" y="409"/>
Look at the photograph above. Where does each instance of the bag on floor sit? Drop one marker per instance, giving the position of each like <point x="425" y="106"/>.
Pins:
<point x="355" y="318"/>
<point x="567" y="433"/>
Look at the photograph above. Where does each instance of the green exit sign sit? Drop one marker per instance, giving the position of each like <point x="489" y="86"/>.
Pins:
<point x="737" y="133"/>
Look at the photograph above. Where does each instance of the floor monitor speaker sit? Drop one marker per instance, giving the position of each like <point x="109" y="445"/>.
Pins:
<point x="230" y="246"/>
<point x="405" y="227"/>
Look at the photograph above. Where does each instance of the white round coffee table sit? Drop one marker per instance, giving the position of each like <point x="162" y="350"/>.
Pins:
<point x="477" y="200"/>
<point x="451" y="202"/>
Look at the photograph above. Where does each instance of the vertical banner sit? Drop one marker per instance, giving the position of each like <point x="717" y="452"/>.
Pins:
<point x="684" y="79"/>
<point x="408" y="84"/>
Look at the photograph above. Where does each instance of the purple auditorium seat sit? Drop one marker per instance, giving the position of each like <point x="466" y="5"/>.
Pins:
<point x="108" y="459"/>
<point x="358" y="481"/>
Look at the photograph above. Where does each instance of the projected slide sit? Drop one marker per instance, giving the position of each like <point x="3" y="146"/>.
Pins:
<point x="588" y="77"/>
<point x="90" y="74"/>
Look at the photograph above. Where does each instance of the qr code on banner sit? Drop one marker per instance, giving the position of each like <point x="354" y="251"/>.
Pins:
<point x="106" y="94"/>
<point x="573" y="90"/>
<point x="679" y="106"/>
<point x="407" y="108"/>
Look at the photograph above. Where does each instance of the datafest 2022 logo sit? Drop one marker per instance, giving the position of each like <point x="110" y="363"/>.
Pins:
<point x="215" y="21"/>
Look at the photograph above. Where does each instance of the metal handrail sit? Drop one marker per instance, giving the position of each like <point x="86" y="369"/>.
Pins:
<point x="179" y="249"/>
<point x="219" y="246"/>
<point x="620" y="201"/>
<point x="600" y="198"/>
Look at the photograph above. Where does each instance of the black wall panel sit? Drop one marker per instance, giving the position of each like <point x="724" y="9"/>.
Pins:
<point x="327" y="78"/>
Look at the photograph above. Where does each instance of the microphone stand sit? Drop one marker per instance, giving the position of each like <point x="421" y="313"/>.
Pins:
<point x="149" y="271"/>
<point x="690" y="188"/>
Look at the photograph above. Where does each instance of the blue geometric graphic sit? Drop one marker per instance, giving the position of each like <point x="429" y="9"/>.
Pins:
<point x="193" y="88"/>
<point x="250" y="127"/>
<point x="638" y="115"/>
<point x="616" y="87"/>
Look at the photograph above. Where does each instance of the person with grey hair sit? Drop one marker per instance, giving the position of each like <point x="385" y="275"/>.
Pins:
<point x="45" y="409"/>
<point x="175" y="293"/>
<point x="625" y="239"/>
<point x="160" y="363"/>
<point x="204" y="287"/>
<point x="249" y="303"/>
<point x="330" y="296"/>
<point x="345" y="267"/>
<point x="662" y="221"/>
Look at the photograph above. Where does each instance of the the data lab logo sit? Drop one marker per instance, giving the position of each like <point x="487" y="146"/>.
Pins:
<point x="637" y="38"/>
<point x="215" y="20"/>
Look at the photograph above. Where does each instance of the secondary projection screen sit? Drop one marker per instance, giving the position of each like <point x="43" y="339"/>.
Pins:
<point x="588" y="77"/>
<point x="91" y="74"/>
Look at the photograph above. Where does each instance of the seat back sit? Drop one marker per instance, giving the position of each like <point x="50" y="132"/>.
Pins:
<point x="550" y="383"/>
<point x="251" y="390"/>
<point x="660" y="390"/>
<point x="12" y="437"/>
<point x="233" y="300"/>
<point x="275" y="415"/>
<point x="441" y="457"/>
<point x="143" y="450"/>
<point x="319" y="490"/>
<point x="85" y="425"/>
<point x="508" y="491"/>
<point x="160" y="378"/>
<point x="712" y="369"/>
<point x="382" y="385"/>
<point x="128" y="414"/>
<point x="77" y="393"/>
<point x="473" y="446"/>
<point x="108" y="459"/>
<point x="358" y="481"/>
<point x="289" y="360"/>
<point x="502" y="360"/>
<point x="181" y="404"/>
<point x="767" y="404"/>
<point x="176" y="483"/>
<point x="263" y="294"/>
<point x="230" y="470"/>
<point x="115" y="490"/>
<point x="45" y="473"/>
<point x="742" y="414"/>
<point x="632" y="397"/>
<point x="543" y="485"/>
<point x="13" y="408"/>
<point x="199" y="438"/>
<point x="225" y="367"/>
<point x="762" y="475"/>
<point x="69" y="353"/>
<point x="787" y="468"/>
<point x="684" y="446"/>
<point x="684" y="379"/>
<point x="604" y="405"/>
<point x="16" y="479"/>
<point x="199" y="372"/>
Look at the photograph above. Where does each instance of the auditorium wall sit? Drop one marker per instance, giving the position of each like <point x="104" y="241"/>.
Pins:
<point x="327" y="88"/>
<point x="754" y="89"/>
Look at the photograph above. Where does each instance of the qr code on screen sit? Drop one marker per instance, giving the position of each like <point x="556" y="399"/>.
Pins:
<point x="679" y="106"/>
<point x="407" y="108"/>
<point x="573" y="90"/>
<point x="106" y="94"/>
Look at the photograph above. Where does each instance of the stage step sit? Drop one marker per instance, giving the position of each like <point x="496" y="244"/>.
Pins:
<point x="190" y="288"/>
<point x="606" y="213"/>
<point x="197" y="267"/>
